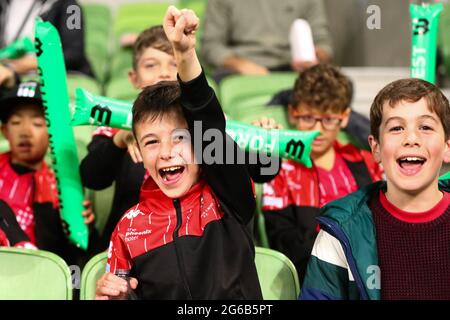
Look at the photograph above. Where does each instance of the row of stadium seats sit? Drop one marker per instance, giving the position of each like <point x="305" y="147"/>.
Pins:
<point x="103" y="31"/>
<point x="36" y="274"/>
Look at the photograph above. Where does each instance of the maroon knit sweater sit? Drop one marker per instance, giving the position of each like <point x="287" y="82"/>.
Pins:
<point x="414" y="255"/>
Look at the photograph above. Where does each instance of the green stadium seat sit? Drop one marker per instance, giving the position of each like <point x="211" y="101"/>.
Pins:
<point x="97" y="23"/>
<point x="237" y="87"/>
<point x="121" y="63"/>
<point x="92" y="271"/>
<point x="33" y="275"/>
<point x="276" y="273"/>
<point x="252" y="113"/>
<point x="121" y="89"/>
<point x="102" y="203"/>
<point x="78" y="80"/>
<point x="135" y="17"/>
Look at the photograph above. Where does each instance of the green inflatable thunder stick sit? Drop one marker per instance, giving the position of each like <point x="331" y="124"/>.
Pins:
<point x="290" y="144"/>
<point x="425" y="22"/>
<point x="17" y="49"/>
<point x="52" y="74"/>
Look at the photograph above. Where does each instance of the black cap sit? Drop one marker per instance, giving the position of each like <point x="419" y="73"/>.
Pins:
<point x="25" y="93"/>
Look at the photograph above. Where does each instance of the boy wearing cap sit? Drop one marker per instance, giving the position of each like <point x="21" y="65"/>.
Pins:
<point x="29" y="215"/>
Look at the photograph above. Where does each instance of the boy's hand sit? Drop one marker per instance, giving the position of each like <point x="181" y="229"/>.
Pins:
<point x="267" y="123"/>
<point x="110" y="286"/>
<point x="88" y="214"/>
<point x="180" y="27"/>
<point x="125" y="139"/>
<point x="128" y="39"/>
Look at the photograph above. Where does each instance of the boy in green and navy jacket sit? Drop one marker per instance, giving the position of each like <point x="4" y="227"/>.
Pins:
<point x="391" y="240"/>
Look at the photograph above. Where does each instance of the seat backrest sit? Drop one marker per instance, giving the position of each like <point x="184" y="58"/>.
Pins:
<point x="92" y="271"/>
<point x="236" y="87"/>
<point x="33" y="275"/>
<point x="277" y="275"/>
<point x="135" y="17"/>
<point x="97" y="26"/>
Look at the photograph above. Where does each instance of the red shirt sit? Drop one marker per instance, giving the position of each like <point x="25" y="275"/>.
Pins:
<point x="20" y="191"/>
<point x="336" y="183"/>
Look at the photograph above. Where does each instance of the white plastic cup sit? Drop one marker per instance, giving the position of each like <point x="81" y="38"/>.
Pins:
<point x="302" y="43"/>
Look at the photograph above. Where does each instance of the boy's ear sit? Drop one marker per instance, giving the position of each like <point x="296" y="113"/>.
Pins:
<point x="292" y="112"/>
<point x="447" y="152"/>
<point x="133" y="77"/>
<point x="345" y="117"/>
<point x="4" y="131"/>
<point x="375" y="147"/>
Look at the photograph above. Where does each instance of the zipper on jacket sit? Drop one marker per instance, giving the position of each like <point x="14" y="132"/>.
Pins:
<point x="176" y="203"/>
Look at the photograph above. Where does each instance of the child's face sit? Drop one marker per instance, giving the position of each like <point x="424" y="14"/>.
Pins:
<point x="152" y="67"/>
<point x="307" y="118"/>
<point x="27" y="134"/>
<point x="411" y="146"/>
<point x="167" y="153"/>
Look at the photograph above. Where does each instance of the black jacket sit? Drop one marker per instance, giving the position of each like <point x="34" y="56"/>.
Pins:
<point x="198" y="246"/>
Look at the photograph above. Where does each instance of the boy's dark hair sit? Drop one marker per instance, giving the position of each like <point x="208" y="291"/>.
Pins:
<point x="322" y="87"/>
<point x="156" y="101"/>
<point x="410" y="90"/>
<point x="153" y="37"/>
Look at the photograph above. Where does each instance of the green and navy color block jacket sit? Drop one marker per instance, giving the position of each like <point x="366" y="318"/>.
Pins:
<point x="344" y="260"/>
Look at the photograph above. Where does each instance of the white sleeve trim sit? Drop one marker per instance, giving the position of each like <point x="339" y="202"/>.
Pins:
<point x="327" y="248"/>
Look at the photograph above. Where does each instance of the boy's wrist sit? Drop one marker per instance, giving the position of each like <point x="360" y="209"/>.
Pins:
<point x="188" y="64"/>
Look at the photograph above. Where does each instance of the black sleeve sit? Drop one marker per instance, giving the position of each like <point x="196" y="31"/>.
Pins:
<point x="72" y="39"/>
<point x="230" y="182"/>
<point x="281" y="98"/>
<point x="10" y="226"/>
<point x="98" y="169"/>
<point x="51" y="235"/>
<point x="272" y="164"/>
<point x="292" y="231"/>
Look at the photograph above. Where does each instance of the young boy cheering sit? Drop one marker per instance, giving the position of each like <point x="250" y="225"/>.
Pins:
<point x="187" y="238"/>
<point x="391" y="240"/>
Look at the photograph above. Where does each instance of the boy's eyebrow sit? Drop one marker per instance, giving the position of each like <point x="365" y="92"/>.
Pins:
<point x="149" y="58"/>
<point x="147" y="135"/>
<point x="394" y="118"/>
<point x="427" y="116"/>
<point x="424" y="116"/>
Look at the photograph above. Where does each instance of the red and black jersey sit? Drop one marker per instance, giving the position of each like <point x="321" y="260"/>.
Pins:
<point x="29" y="211"/>
<point x="20" y="190"/>
<point x="292" y="200"/>
<point x="196" y="247"/>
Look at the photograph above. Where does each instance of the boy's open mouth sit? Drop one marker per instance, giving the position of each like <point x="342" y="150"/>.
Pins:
<point x="411" y="165"/>
<point x="25" y="145"/>
<point x="170" y="175"/>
